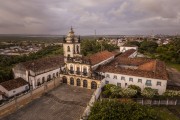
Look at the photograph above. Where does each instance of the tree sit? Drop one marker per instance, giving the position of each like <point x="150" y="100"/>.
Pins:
<point x="128" y="92"/>
<point x="115" y="90"/>
<point x="135" y="43"/>
<point x="116" y="110"/>
<point x="148" y="46"/>
<point x="149" y="92"/>
<point x="137" y="88"/>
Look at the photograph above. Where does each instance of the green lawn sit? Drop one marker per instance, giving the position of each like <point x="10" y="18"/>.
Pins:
<point x="165" y="114"/>
<point x="173" y="65"/>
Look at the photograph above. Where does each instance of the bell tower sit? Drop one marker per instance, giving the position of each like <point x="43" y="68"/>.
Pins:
<point x="71" y="45"/>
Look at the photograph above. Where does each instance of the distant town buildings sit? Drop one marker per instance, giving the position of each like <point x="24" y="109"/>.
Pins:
<point x="19" y="50"/>
<point x="125" y="48"/>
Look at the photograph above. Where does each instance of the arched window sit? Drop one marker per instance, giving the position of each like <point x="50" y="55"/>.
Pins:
<point x="64" y="79"/>
<point x="77" y="48"/>
<point x="38" y="82"/>
<point x="93" y="85"/>
<point x="54" y="75"/>
<point x="85" y="84"/>
<point x="78" y="82"/>
<point x="43" y="80"/>
<point x="57" y="74"/>
<point x="68" y="49"/>
<point x="78" y="71"/>
<point x="71" y="69"/>
<point x="49" y="78"/>
<point x="84" y="71"/>
<point x="71" y="81"/>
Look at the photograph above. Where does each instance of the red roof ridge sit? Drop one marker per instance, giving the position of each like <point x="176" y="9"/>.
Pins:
<point x="99" y="56"/>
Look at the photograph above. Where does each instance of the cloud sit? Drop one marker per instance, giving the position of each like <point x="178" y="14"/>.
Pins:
<point x="106" y="16"/>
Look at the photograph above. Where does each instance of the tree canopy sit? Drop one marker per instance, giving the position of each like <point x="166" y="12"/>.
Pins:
<point x="116" y="110"/>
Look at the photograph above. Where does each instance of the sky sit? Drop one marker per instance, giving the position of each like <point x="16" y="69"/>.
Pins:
<point x="107" y="17"/>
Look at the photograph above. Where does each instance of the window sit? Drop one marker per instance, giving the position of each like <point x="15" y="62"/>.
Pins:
<point x="71" y="81"/>
<point x="77" y="49"/>
<point x="119" y="84"/>
<point x="107" y="75"/>
<point x="68" y="55"/>
<point x="158" y="83"/>
<point x="26" y="87"/>
<point x="139" y="80"/>
<point x="115" y="77"/>
<point x="148" y="83"/>
<point x="85" y="83"/>
<point x="68" y="49"/>
<point x="130" y="79"/>
<point x="54" y="75"/>
<point x="78" y="82"/>
<point x="122" y="78"/>
<point x="106" y="82"/>
<point x="14" y="91"/>
<point x="84" y="71"/>
<point x="71" y="69"/>
<point x="78" y="71"/>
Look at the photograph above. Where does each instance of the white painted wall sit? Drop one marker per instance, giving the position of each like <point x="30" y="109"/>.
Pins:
<point x="125" y="48"/>
<point x="20" y="73"/>
<point x="66" y="52"/>
<point x="34" y="80"/>
<point x="161" y="89"/>
<point x="14" y="91"/>
<point x="133" y="55"/>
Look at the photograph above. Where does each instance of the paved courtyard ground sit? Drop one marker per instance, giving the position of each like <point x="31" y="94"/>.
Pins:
<point x="62" y="103"/>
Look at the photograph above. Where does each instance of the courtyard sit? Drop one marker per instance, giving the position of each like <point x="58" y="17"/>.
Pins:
<point x="62" y="103"/>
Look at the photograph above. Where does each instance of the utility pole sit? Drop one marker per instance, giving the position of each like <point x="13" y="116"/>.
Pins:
<point x="95" y="34"/>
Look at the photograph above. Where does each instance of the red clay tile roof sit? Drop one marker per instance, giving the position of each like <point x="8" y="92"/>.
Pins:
<point x="149" y="66"/>
<point x="43" y="64"/>
<point x="128" y="53"/>
<point x="131" y="61"/>
<point x="99" y="57"/>
<point x="13" y="84"/>
<point x="1" y="93"/>
<point x="146" y="68"/>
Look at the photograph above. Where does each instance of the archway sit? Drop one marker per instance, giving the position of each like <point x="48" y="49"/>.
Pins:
<point x="78" y="82"/>
<point x="49" y="78"/>
<point x="71" y="81"/>
<point x="64" y="79"/>
<point x="43" y="80"/>
<point x="93" y="85"/>
<point x="85" y="84"/>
